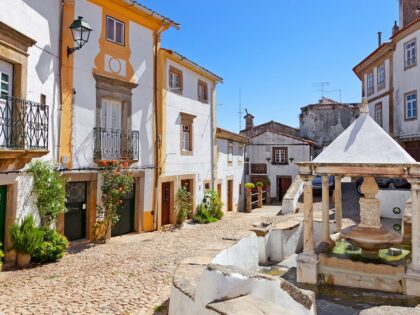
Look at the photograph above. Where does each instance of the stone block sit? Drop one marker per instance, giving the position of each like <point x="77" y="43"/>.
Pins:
<point x="307" y="269"/>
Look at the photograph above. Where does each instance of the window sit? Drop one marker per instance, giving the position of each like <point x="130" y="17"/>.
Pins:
<point x="370" y="82"/>
<point x="381" y="77"/>
<point x="258" y="168"/>
<point x="114" y="30"/>
<point x="43" y="99"/>
<point x="279" y="156"/>
<point x="410" y="54"/>
<point x="206" y="186"/>
<point x="378" y="114"/>
<point x="202" y="91"/>
<point x="230" y="152"/>
<point x="4" y="84"/>
<point x="411" y="105"/>
<point x="175" y="80"/>
<point x="186" y="138"/>
<point x="240" y="154"/>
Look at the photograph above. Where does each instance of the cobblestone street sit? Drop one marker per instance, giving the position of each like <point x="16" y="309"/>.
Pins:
<point x="129" y="275"/>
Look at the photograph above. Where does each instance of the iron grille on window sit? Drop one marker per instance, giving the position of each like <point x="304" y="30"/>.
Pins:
<point x="115" y="144"/>
<point x="23" y="124"/>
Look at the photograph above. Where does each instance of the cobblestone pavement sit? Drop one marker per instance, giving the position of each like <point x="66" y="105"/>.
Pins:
<point x="128" y="275"/>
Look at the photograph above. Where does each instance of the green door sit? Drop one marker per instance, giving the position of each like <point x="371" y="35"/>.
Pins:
<point x="126" y="213"/>
<point x="75" y="217"/>
<point x="3" y="194"/>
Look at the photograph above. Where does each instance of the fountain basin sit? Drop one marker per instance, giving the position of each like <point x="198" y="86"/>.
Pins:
<point x="370" y="238"/>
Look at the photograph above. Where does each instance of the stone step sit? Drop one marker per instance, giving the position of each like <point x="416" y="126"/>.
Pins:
<point x="248" y="305"/>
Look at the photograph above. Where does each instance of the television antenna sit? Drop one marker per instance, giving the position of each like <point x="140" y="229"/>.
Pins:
<point x="321" y="86"/>
<point x="335" y="91"/>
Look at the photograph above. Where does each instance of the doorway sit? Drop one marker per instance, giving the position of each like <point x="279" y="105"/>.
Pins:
<point x="3" y="196"/>
<point x="125" y="212"/>
<point x="166" y="203"/>
<point x="75" y="217"/>
<point x="6" y="90"/>
<point x="219" y="191"/>
<point x="229" y="195"/>
<point x="283" y="184"/>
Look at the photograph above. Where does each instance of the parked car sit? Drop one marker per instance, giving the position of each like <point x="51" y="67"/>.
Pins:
<point x="386" y="183"/>
<point x="317" y="183"/>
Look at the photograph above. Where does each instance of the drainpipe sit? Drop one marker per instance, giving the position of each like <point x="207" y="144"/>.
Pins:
<point x="60" y="62"/>
<point x="157" y="140"/>
<point x="212" y="136"/>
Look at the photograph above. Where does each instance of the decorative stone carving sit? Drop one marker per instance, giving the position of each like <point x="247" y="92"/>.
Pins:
<point x="369" y="213"/>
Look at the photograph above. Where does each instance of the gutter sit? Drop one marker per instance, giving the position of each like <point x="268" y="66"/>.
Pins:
<point x="60" y="62"/>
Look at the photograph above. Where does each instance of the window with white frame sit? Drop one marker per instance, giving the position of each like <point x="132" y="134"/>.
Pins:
<point x="240" y="154"/>
<point x="410" y="54"/>
<point x="175" y="80"/>
<point x="378" y="114"/>
<point x="186" y="138"/>
<point x="279" y="155"/>
<point x="370" y="83"/>
<point x="381" y="77"/>
<point x="115" y="30"/>
<point x="230" y="152"/>
<point x="411" y="105"/>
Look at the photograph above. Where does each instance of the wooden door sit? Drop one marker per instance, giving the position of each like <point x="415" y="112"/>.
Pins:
<point x="125" y="212"/>
<point x="283" y="184"/>
<point x="230" y="195"/>
<point x="166" y="203"/>
<point x="219" y="191"/>
<point x="3" y="195"/>
<point x="75" y="217"/>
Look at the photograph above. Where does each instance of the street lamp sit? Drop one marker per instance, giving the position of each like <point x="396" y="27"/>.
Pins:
<point x="81" y="31"/>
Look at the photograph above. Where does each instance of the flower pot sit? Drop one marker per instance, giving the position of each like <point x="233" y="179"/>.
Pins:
<point x="259" y="187"/>
<point x="23" y="259"/>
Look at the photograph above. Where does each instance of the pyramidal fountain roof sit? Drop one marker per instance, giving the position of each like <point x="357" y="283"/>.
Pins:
<point x="364" y="141"/>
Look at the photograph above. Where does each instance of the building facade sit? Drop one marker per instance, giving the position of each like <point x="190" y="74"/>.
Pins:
<point x="326" y="120"/>
<point x="187" y="131"/>
<point x="271" y="153"/>
<point x="29" y="100"/>
<point x="230" y="169"/>
<point x="391" y="78"/>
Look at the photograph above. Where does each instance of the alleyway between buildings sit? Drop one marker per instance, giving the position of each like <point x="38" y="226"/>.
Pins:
<point x="129" y="275"/>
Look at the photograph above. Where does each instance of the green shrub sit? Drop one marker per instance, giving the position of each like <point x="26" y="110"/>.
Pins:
<point x="210" y="209"/>
<point x="268" y="181"/>
<point x="26" y="237"/>
<point x="1" y="254"/>
<point x="183" y="203"/>
<point x="259" y="184"/>
<point x="49" y="187"/>
<point x="249" y="186"/>
<point x="52" y="248"/>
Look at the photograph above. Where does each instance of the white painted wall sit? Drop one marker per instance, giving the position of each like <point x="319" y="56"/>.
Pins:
<point x="405" y="81"/>
<point x="198" y="163"/>
<point x="261" y="148"/>
<point x="140" y="40"/>
<point x="234" y="171"/>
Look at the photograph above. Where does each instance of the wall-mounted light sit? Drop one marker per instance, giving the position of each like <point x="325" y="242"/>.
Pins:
<point x="291" y="160"/>
<point x="81" y="31"/>
<point x="268" y="160"/>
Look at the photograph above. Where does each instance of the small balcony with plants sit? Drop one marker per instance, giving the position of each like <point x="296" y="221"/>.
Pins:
<point x="23" y="131"/>
<point x="115" y="144"/>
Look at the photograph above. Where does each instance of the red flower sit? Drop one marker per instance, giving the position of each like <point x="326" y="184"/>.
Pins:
<point x="104" y="163"/>
<point x="120" y="202"/>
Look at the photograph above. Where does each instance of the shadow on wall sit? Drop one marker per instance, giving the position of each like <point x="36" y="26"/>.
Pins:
<point x="83" y="155"/>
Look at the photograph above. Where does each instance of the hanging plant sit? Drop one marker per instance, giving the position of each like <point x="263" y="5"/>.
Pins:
<point x="117" y="182"/>
<point x="49" y="188"/>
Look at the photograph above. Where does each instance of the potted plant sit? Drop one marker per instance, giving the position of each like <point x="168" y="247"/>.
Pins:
<point x="249" y="187"/>
<point x="267" y="181"/>
<point x="259" y="185"/>
<point x="25" y="239"/>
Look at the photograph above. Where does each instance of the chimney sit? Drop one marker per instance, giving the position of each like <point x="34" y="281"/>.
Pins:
<point x="395" y="28"/>
<point x="379" y="38"/>
<point x="249" y="120"/>
<point x="409" y="11"/>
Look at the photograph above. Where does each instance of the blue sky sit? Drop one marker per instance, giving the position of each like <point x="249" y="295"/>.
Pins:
<point x="274" y="50"/>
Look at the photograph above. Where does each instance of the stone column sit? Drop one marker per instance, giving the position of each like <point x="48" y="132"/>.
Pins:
<point x="307" y="262"/>
<point x="413" y="271"/>
<point x="325" y="211"/>
<point x="260" y="202"/>
<point x="338" y="203"/>
<point x="248" y="201"/>
<point x="308" y="220"/>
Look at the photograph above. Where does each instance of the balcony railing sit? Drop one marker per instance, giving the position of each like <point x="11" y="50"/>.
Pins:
<point x="23" y="124"/>
<point x="115" y="144"/>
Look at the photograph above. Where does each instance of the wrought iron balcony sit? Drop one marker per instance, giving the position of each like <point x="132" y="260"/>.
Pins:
<point x="23" y="124"/>
<point x="115" y="144"/>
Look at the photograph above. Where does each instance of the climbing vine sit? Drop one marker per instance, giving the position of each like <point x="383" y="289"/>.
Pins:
<point x="49" y="188"/>
<point x="117" y="182"/>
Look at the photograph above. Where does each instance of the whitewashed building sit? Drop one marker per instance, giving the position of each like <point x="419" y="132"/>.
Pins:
<point x="230" y="169"/>
<point x="390" y="78"/>
<point x="271" y="153"/>
<point x="29" y="100"/>
<point x="187" y="131"/>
